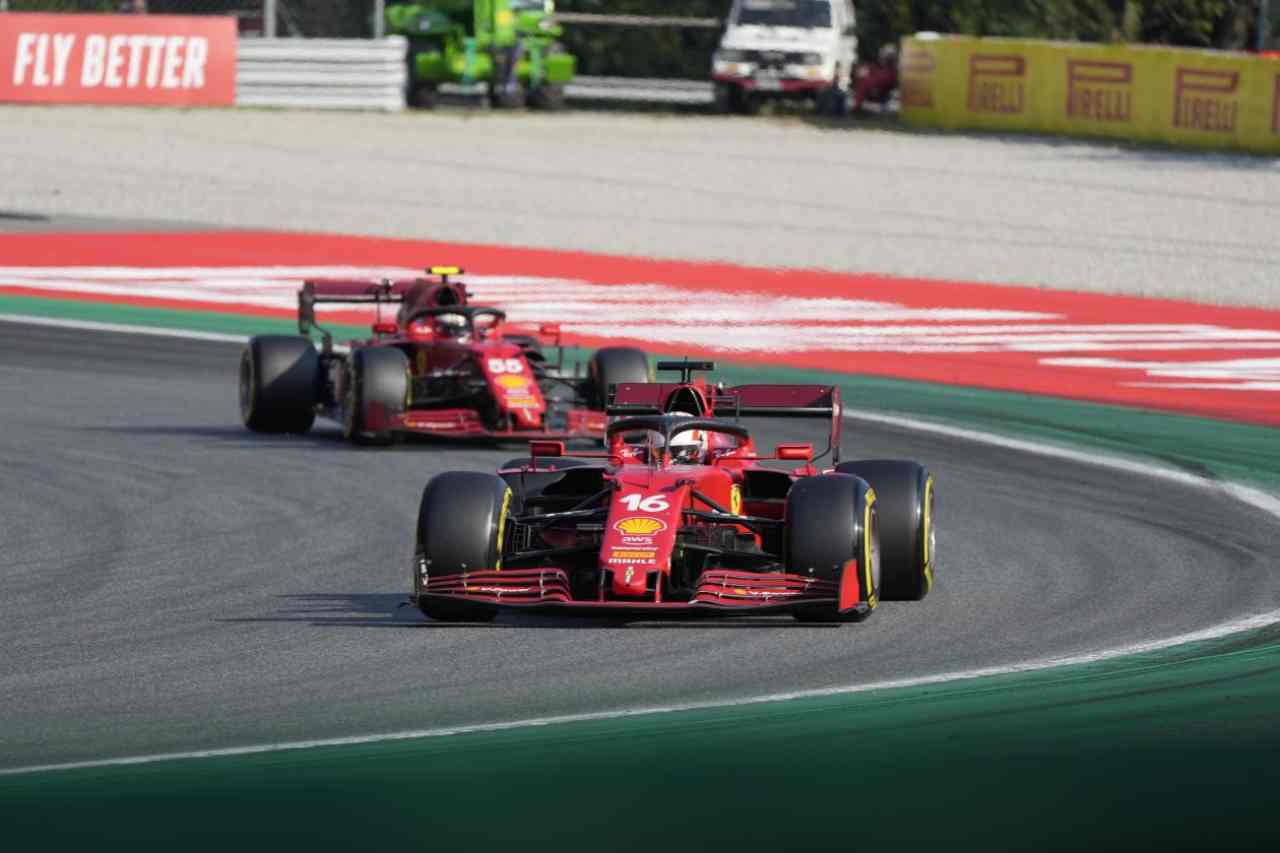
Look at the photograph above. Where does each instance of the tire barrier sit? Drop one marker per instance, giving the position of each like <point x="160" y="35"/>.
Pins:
<point x="640" y="89"/>
<point x="322" y="73"/>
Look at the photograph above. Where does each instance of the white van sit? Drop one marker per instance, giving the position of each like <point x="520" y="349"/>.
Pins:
<point x="803" y="49"/>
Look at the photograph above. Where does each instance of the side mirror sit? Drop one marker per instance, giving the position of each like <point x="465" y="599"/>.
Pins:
<point x="385" y="328"/>
<point x="546" y="449"/>
<point x="794" y="452"/>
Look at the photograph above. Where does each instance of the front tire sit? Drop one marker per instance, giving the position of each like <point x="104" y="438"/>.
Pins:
<point x="832" y="528"/>
<point x="377" y="385"/>
<point x="614" y="365"/>
<point x="905" y="495"/>
<point x="462" y="520"/>
<point x="278" y="379"/>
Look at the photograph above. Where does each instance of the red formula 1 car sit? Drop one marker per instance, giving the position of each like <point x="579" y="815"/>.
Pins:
<point x="680" y="514"/>
<point x="442" y="367"/>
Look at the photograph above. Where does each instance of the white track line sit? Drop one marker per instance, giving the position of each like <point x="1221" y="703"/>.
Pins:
<point x="1254" y="497"/>
<point x="92" y="326"/>
<point x="1246" y="494"/>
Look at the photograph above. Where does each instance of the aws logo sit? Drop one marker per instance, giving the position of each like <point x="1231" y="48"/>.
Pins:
<point x="640" y="526"/>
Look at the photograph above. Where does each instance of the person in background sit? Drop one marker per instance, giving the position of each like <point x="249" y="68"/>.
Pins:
<point x="875" y="81"/>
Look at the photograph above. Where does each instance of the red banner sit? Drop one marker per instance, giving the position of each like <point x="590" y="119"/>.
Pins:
<point x="118" y="59"/>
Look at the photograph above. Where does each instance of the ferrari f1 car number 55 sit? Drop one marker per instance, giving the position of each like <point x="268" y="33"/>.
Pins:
<point x="443" y="366"/>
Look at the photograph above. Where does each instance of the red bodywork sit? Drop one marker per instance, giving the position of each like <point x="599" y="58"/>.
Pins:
<point x="492" y="383"/>
<point x="661" y="536"/>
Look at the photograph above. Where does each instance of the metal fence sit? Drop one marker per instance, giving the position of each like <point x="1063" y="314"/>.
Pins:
<point x="309" y="65"/>
<point x="295" y="18"/>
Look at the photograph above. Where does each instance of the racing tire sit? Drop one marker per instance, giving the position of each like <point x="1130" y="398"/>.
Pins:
<point x="908" y="537"/>
<point x="279" y="375"/>
<point x="612" y="365"/>
<point x="377" y="385"/>
<point x="461" y="523"/>
<point x="831" y="519"/>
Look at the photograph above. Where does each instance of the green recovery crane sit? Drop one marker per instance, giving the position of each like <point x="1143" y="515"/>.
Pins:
<point x="511" y="47"/>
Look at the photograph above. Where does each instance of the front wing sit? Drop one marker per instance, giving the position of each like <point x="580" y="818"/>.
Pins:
<point x="721" y="591"/>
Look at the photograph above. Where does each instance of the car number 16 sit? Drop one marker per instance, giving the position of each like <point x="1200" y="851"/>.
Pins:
<point x="641" y="503"/>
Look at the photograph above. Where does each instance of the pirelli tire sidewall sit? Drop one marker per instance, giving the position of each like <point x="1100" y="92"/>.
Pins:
<point x="830" y="520"/>
<point x="905" y="495"/>
<point x="377" y="389"/>
<point x="462" y="526"/>
<point x="279" y="378"/>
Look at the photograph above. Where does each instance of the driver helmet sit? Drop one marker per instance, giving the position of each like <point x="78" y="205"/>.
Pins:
<point x="451" y="325"/>
<point x="688" y="447"/>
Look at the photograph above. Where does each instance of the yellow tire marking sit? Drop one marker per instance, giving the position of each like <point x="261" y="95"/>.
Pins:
<point x="502" y="526"/>
<point x="872" y="595"/>
<point x="927" y="527"/>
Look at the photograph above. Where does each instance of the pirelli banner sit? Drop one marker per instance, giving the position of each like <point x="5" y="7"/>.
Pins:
<point x="1171" y="95"/>
<point x="117" y="59"/>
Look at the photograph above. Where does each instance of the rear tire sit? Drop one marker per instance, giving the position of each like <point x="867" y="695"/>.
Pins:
<point x="278" y="379"/>
<point x="377" y="384"/>
<point x="611" y="366"/>
<point x="831" y="519"/>
<point x="461" y="523"/>
<point x="904" y="497"/>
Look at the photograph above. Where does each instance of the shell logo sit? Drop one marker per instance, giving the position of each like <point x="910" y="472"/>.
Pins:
<point x="640" y="526"/>
<point x="512" y="381"/>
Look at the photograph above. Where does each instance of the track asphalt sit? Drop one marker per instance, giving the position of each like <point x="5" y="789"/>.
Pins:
<point x="175" y="583"/>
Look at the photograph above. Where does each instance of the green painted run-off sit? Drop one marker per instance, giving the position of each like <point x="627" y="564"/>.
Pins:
<point x="1171" y="752"/>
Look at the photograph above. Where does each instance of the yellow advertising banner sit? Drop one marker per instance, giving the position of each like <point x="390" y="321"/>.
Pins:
<point x="1154" y="94"/>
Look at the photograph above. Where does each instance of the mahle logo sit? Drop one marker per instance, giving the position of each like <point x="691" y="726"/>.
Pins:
<point x="640" y="526"/>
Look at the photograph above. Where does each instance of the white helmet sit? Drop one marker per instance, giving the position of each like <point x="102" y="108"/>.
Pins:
<point x="688" y="447"/>
<point x="451" y="325"/>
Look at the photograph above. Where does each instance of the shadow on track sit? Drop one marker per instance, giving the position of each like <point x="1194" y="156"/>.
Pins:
<point x="321" y="436"/>
<point x="393" y="610"/>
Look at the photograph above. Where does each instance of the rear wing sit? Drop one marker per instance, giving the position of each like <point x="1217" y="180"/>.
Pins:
<point x="358" y="291"/>
<point x="759" y="400"/>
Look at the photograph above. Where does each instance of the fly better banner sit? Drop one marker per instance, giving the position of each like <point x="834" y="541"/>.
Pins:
<point x="173" y="60"/>
<point x="1157" y="94"/>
